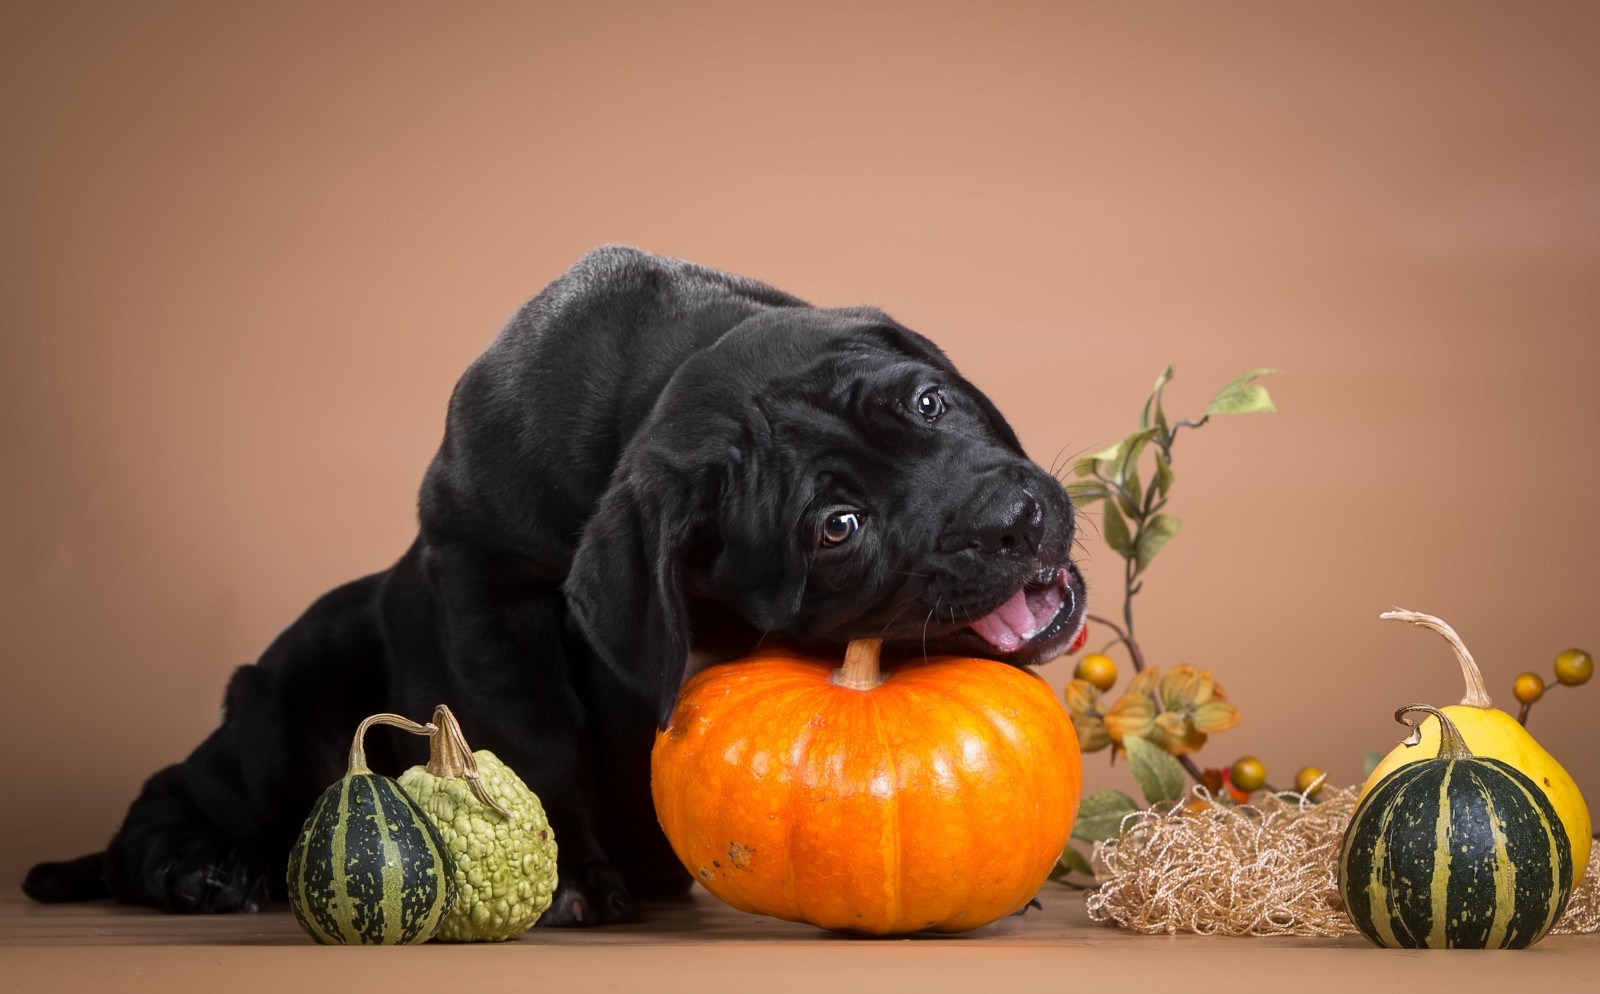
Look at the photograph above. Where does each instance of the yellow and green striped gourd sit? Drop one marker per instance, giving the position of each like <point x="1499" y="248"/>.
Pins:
<point x="369" y="867"/>
<point x="1455" y="852"/>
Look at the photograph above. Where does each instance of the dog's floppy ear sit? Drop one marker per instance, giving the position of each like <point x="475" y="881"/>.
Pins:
<point x="625" y="589"/>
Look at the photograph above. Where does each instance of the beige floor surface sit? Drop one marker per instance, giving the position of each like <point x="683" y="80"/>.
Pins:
<point x="705" y="947"/>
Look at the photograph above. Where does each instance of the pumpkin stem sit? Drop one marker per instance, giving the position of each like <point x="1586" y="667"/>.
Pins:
<point x="358" y="749"/>
<point x="450" y="756"/>
<point x="1477" y="695"/>
<point x="1451" y="745"/>
<point x="860" y="669"/>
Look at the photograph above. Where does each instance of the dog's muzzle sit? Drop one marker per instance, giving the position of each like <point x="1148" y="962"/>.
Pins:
<point x="1039" y="611"/>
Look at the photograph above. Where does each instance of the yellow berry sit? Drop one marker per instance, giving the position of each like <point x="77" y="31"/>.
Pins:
<point x="1306" y="778"/>
<point x="1248" y="773"/>
<point x="1528" y="687"/>
<point x="1098" y="669"/>
<point x="1574" y="667"/>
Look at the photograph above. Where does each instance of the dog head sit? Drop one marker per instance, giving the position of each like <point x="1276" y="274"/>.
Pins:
<point x="825" y="475"/>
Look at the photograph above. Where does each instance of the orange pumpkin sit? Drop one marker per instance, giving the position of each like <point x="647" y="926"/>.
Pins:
<point x="935" y="796"/>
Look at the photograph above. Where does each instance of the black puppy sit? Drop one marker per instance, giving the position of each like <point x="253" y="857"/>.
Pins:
<point x="653" y="458"/>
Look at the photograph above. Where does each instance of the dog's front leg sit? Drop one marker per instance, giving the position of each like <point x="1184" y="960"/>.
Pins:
<point x="512" y="675"/>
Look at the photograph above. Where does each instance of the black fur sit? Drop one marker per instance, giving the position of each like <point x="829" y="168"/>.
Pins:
<point x="642" y="464"/>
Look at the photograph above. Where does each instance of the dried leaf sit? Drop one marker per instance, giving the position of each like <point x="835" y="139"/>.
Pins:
<point x="1216" y="716"/>
<point x="1132" y="716"/>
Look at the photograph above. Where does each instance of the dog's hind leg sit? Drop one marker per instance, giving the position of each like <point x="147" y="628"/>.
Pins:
<point x="213" y="832"/>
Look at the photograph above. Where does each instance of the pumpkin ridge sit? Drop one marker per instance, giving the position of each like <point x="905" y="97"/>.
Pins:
<point x="800" y="751"/>
<point x="889" y="840"/>
<point x="796" y="757"/>
<point x="998" y="731"/>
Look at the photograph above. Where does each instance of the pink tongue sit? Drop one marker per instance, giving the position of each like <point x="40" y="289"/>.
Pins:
<point x="1013" y="622"/>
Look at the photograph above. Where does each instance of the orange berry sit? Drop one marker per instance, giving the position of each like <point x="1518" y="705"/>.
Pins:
<point x="1528" y="687"/>
<point x="1574" y="667"/>
<point x="1098" y="669"/>
<point x="1306" y="778"/>
<point x="1247" y="774"/>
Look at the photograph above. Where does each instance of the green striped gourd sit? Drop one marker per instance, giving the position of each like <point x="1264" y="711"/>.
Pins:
<point x="1455" y="852"/>
<point x="369" y="867"/>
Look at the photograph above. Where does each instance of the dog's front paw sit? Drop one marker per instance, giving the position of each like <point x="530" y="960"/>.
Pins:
<point x="230" y="883"/>
<point x="187" y="870"/>
<point x="592" y="894"/>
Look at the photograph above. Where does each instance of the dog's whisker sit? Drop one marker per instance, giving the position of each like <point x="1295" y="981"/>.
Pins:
<point x="800" y="515"/>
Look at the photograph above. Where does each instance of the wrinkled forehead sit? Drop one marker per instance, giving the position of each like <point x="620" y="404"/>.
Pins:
<point x="822" y="383"/>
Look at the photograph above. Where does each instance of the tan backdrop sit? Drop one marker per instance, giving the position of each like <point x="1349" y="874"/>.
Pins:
<point x="248" y="248"/>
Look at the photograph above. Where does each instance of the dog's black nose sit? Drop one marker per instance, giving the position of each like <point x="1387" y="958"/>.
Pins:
<point x="1011" y="522"/>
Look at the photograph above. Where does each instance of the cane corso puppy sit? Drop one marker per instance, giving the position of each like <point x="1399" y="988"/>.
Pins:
<point x="653" y="459"/>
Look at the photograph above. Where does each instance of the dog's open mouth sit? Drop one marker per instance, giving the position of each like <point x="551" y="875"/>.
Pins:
<point x="1043" y="608"/>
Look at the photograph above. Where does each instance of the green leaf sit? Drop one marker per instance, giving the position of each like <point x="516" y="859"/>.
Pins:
<point x="1159" y="775"/>
<point x="1128" y="451"/>
<point x="1242" y="396"/>
<point x="1100" y="815"/>
<point x="1085" y="466"/>
<point x="1130" y="495"/>
<point x="1154" y="403"/>
<point x="1162" y="484"/>
<point x="1105" y="455"/>
<point x="1086" y="491"/>
<point x="1155" y="534"/>
<point x="1072" y="861"/>
<point x="1371" y="761"/>
<point x="1115" y="531"/>
<point x="1116" y="460"/>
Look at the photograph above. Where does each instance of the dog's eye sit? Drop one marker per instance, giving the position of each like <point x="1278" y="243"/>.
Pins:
<point x="839" y="526"/>
<point x="930" y="404"/>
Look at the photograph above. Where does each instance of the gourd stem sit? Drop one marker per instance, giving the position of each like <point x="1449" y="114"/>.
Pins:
<point x="358" y="750"/>
<point x="450" y="756"/>
<point x="1451" y="745"/>
<point x="1477" y="695"/>
<point x="860" y="669"/>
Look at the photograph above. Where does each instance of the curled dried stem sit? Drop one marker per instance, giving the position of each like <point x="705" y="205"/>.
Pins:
<point x="358" y="748"/>
<point x="1477" y="694"/>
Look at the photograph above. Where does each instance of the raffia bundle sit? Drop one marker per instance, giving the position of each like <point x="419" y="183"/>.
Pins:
<point x="1265" y="868"/>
